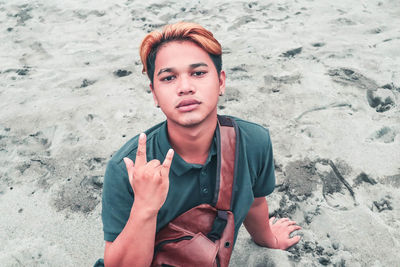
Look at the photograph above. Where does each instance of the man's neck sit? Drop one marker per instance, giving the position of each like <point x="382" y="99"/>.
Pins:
<point x="192" y="143"/>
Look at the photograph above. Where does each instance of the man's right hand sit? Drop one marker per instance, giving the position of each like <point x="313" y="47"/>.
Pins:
<point x="149" y="180"/>
<point x="134" y="246"/>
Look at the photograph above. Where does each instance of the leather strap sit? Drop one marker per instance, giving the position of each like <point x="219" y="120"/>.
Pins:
<point x="227" y="147"/>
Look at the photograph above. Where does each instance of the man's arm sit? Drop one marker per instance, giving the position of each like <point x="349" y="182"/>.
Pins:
<point x="266" y="233"/>
<point x="134" y="246"/>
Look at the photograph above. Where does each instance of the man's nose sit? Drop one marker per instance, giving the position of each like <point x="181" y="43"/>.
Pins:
<point x="185" y="86"/>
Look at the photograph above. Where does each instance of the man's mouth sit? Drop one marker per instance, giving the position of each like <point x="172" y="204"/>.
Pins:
<point x="188" y="105"/>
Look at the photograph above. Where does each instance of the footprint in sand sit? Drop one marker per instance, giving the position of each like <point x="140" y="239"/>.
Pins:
<point x="337" y="192"/>
<point x="385" y="134"/>
<point x="81" y="191"/>
<point x="318" y="44"/>
<point x="95" y="163"/>
<point x="277" y="83"/>
<point x="382" y="204"/>
<point x="76" y="199"/>
<point x="350" y="77"/>
<point x="32" y="157"/>
<point x="301" y="180"/>
<point x="377" y="30"/>
<point x="293" y="52"/>
<point x="393" y="180"/>
<point x="303" y="177"/>
<point x="83" y="14"/>
<point x="23" y="15"/>
<point x="86" y="83"/>
<point x="40" y="138"/>
<point x="79" y="194"/>
<point x="122" y="73"/>
<point x="364" y="178"/>
<point x="344" y="21"/>
<point x="326" y="254"/>
<point x="35" y="144"/>
<point x="241" y="21"/>
<point x="380" y="98"/>
<point x="239" y="72"/>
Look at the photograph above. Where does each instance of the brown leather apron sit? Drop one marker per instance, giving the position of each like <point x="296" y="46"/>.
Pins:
<point x="203" y="236"/>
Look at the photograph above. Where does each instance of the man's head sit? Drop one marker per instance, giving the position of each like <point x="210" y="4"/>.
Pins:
<point x="183" y="64"/>
<point x="181" y="31"/>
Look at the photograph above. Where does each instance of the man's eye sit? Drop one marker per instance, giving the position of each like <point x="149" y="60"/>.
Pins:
<point x="199" y="73"/>
<point x="168" y="78"/>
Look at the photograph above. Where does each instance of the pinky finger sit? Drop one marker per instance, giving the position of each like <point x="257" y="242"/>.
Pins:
<point x="167" y="163"/>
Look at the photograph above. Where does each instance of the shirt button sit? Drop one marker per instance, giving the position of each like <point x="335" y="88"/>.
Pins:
<point x="205" y="190"/>
<point x="203" y="173"/>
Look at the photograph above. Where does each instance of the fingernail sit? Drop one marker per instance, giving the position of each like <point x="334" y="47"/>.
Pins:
<point x="141" y="136"/>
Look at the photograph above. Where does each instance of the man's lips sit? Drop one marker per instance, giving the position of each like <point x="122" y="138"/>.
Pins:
<point x="187" y="102"/>
<point x="188" y="105"/>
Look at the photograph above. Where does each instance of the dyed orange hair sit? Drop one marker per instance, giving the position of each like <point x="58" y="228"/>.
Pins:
<point x="181" y="31"/>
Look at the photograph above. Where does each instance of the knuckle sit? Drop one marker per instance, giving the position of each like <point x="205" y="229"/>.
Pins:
<point x="165" y="167"/>
<point x="137" y="174"/>
<point x="149" y="172"/>
<point x="167" y="163"/>
<point x="159" y="180"/>
<point x="156" y="162"/>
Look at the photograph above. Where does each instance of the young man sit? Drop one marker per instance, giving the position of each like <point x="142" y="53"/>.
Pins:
<point x="175" y="161"/>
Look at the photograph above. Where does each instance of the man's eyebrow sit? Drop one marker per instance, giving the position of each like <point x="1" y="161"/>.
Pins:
<point x="165" y="70"/>
<point x="195" y="65"/>
<point x="192" y="66"/>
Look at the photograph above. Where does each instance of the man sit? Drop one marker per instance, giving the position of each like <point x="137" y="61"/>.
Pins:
<point x="175" y="161"/>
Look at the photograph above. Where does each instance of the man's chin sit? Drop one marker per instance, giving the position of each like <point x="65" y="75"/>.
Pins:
<point x="190" y="121"/>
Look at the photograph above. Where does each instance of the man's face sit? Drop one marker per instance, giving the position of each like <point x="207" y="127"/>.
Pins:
<point x="186" y="85"/>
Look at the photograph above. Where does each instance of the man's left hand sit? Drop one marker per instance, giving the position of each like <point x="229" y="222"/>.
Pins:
<point x="282" y="229"/>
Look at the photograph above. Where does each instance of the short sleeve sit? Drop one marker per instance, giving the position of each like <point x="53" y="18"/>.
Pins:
<point x="117" y="199"/>
<point x="265" y="181"/>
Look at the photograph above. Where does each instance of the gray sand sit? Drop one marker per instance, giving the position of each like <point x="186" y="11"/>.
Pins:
<point x="323" y="76"/>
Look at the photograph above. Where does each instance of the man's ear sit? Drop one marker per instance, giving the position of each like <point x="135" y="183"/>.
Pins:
<point x="154" y="95"/>
<point x="222" y="78"/>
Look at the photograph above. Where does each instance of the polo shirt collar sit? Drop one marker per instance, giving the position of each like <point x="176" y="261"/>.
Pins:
<point x="180" y="166"/>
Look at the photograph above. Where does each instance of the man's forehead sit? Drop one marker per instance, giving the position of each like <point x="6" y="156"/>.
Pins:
<point x="181" y="54"/>
<point x="187" y="49"/>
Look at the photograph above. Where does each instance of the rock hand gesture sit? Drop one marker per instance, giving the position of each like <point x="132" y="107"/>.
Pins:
<point x="149" y="180"/>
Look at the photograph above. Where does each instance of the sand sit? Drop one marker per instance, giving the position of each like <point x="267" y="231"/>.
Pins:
<point x="323" y="76"/>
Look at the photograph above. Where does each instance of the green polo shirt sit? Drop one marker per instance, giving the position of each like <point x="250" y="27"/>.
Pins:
<point x="190" y="184"/>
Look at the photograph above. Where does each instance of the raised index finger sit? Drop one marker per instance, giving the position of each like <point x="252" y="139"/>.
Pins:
<point x="141" y="159"/>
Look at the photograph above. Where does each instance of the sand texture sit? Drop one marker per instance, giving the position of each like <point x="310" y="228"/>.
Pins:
<point x="323" y="76"/>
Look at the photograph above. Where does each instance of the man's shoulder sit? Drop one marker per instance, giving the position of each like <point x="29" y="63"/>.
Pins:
<point x="130" y="147"/>
<point x="254" y="137"/>
<point x="251" y="129"/>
